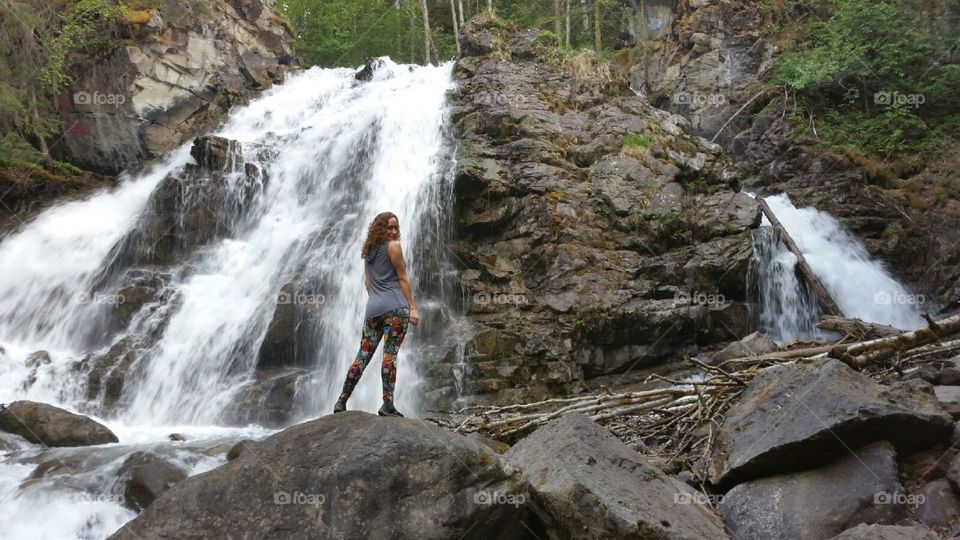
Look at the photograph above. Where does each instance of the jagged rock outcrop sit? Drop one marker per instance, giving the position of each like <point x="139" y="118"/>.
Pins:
<point x="172" y="77"/>
<point x="52" y="426"/>
<point x="595" y="232"/>
<point x="702" y="60"/>
<point x="346" y="476"/>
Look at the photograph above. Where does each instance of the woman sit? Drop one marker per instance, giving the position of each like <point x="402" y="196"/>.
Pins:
<point x="389" y="308"/>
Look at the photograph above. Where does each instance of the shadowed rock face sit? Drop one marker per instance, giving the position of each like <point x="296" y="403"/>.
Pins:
<point x="589" y="224"/>
<point x="887" y="532"/>
<point x="52" y="426"/>
<point x="793" y="417"/>
<point x="350" y="475"/>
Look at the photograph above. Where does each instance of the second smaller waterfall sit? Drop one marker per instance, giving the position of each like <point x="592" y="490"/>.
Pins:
<point x="861" y="286"/>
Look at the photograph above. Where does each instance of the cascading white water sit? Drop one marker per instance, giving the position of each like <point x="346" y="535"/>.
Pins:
<point x="333" y="152"/>
<point x="860" y="285"/>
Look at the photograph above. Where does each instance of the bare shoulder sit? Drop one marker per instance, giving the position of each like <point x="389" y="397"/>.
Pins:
<point x="393" y="247"/>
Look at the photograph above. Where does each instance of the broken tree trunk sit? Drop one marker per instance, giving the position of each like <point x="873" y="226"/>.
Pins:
<point x="827" y="304"/>
<point x="864" y="353"/>
<point x="855" y="327"/>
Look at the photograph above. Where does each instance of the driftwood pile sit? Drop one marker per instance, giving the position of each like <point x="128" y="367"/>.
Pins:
<point x="675" y="420"/>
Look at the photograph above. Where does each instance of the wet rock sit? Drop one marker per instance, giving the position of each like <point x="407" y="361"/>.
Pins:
<point x="444" y="486"/>
<point x="588" y="484"/>
<point x="366" y="73"/>
<point x="146" y="476"/>
<point x="52" y="426"/>
<point x="107" y="372"/>
<point x="818" y="503"/>
<point x="887" y="532"/>
<point x="756" y="344"/>
<point x="268" y="399"/>
<point x="792" y="417"/>
<point x="290" y="339"/>
<point x="176" y="437"/>
<point x="937" y="506"/>
<point x="240" y="448"/>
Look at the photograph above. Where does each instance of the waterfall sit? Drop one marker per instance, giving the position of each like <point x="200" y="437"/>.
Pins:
<point x="860" y="285"/>
<point x="314" y="160"/>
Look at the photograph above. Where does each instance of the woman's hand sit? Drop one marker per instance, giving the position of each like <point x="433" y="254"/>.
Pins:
<point x="414" y="317"/>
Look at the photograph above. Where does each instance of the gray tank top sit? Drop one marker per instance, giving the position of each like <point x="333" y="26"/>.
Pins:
<point x="385" y="293"/>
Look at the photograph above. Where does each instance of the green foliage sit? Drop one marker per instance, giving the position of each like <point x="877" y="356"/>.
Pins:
<point x="633" y="140"/>
<point x="878" y="75"/>
<point x="349" y="32"/>
<point x="79" y="29"/>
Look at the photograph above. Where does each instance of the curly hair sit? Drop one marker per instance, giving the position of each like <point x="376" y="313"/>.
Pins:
<point x="377" y="233"/>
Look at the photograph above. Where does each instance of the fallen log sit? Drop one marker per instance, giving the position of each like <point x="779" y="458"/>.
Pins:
<point x="864" y="353"/>
<point x="859" y="329"/>
<point x="826" y="302"/>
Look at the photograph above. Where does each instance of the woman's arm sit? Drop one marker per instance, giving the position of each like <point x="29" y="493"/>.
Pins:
<point x="395" y="252"/>
<point x="366" y="279"/>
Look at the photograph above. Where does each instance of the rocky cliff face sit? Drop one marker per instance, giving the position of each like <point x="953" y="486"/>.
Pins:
<point x="597" y="234"/>
<point x="175" y="74"/>
<point x="707" y="61"/>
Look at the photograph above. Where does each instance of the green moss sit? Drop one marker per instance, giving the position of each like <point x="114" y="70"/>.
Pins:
<point x="633" y="140"/>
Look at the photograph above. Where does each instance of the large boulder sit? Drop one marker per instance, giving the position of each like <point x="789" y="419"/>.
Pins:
<point x="588" y="484"/>
<point x="798" y="416"/>
<point x="819" y="503"/>
<point x="349" y="475"/>
<point x="887" y="532"/>
<point x="146" y="476"/>
<point x="52" y="426"/>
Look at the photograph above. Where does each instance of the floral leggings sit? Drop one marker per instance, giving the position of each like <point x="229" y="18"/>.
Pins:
<point x="391" y="326"/>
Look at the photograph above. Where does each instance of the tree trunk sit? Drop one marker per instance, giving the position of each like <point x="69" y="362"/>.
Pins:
<point x="566" y="36"/>
<point x="426" y="31"/>
<point x="47" y="160"/>
<point x="556" y="18"/>
<point x="490" y="6"/>
<point x="826" y="302"/>
<point x="456" y="29"/>
<point x="460" y="5"/>
<point x="597" y="42"/>
<point x="585" y="12"/>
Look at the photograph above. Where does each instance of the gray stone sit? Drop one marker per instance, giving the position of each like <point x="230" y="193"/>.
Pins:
<point x="347" y="475"/>
<point x="755" y="344"/>
<point x="52" y="426"/>
<point x="588" y="484"/>
<point x="146" y="476"/>
<point x="793" y="417"/>
<point x="887" y="532"/>
<point x="937" y="505"/>
<point x="818" y="503"/>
